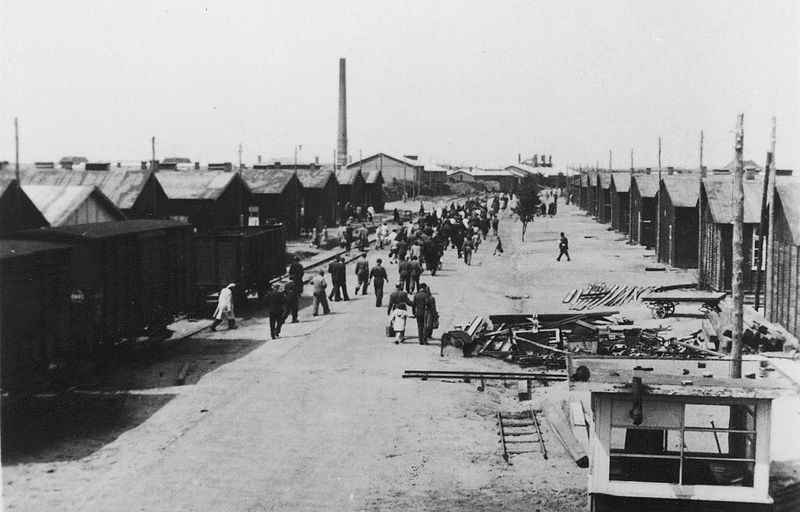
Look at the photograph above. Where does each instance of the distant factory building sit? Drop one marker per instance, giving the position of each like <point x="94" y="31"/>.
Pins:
<point x="406" y="168"/>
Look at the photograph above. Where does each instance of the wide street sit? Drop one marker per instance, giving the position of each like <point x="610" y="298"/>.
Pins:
<point x="320" y="419"/>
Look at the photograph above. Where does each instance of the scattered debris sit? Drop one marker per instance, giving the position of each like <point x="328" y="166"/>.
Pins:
<point x="601" y="294"/>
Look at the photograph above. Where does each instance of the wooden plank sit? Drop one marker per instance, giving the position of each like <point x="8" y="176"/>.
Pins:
<point x="565" y="436"/>
<point x="579" y="426"/>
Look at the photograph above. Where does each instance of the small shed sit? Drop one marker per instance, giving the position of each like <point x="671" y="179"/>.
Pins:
<point x="66" y="205"/>
<point x="277" y="197"/>
<point x="620" y="201"/>
<point x="320" y="196"/>
<point x="783" y="290"/>
<point x="206" y="199"/>
<point x="17" y="211"/>
<point x="604" y="197"/>
<point x="644" y="188"/>
<point x="679" y="221"/>
<point x="351" y="187"/>
<point x="667" y="442"/>
<point x="373" y="190"/>
<point x="716" y="256"/>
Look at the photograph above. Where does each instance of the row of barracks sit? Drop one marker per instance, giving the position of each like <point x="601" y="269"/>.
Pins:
<point x="696" y="226"/>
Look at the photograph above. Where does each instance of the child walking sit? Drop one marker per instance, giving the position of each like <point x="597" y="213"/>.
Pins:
<point x="398" y="322"/>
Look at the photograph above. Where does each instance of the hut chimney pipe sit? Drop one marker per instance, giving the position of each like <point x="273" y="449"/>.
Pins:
<point x="342" y="139"/>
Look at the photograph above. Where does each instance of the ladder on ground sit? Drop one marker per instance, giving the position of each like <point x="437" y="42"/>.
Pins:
<point x="521" y="432"/>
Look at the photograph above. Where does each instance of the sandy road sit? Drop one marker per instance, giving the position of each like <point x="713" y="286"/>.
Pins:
<point x="321" y="420"/>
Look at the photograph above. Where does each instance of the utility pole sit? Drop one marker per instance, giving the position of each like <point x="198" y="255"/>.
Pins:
<point x="240" y="157"/>
<point x="738" y="259"/>
<point x="16" y="150"/>
<point x="762" y="227"/>
<point x="771" y="231"/>
<point x="700" y="212"/>
<point x="153" y="153"/>
<point x="630" y="204"/>
<point x="609" y="161"/>
<point x="658" y="207"/>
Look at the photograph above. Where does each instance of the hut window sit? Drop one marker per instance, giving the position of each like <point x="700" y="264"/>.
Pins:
<point x="179" y="218"/>
<point x="756" y="251"/>
<point x="252" y="216"/>
<point x="688" y="444"/>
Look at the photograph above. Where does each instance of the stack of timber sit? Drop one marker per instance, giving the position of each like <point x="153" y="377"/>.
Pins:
<point x="603" y="295"/>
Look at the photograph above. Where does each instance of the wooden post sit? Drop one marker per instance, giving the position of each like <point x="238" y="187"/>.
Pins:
<point x="737" y="290"/>
<point x="700" y="211"/>
<point x="771" y="232"/>
<point x="762" y="227"/>
<point x="658" y="206"/>
<point x="16" y="151"/>
<point x="630" y="204"/>
<point x="240" y="158"/>
<point x="153" y="154"/>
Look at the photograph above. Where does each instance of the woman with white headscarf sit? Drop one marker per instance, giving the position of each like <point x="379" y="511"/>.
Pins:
<point x="224" y="309"/>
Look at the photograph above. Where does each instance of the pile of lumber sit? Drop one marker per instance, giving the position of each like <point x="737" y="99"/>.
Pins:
<point x="603" y="295"/>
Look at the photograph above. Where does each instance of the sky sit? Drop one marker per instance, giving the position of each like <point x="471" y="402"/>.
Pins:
<point x="454" y="82"/>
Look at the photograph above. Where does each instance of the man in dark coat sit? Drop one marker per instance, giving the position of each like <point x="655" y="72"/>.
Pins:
<point x="276" y="303"/>
<point x="378" y="276"/>
<point x="563" y="248"/>
<point x="363" y="238"/>
<point x="292" y="300"/>
<point x="296" y="272"/>
<point x="404" y="268"/>
<point x="338" y="272"/>
<point x="420" y="306"/>
<point x="416" y="272"/>
<point x="362" y="274"/>
<point x="398" y="297"/>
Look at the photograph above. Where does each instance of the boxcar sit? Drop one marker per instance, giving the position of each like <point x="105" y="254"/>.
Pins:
<point x="34" y="300"/>
<point x="247" y="256"/>
<point x="132" y="277"/>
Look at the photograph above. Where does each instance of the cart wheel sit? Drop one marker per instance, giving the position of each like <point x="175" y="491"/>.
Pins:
<point x="669" y="308"/>
<point x="659" y="310"/>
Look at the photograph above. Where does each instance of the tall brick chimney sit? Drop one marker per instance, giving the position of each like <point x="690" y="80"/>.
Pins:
<point x="341" y="145"/>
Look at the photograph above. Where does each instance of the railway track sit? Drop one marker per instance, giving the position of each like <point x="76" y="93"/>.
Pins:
<point x="521" y="432"/>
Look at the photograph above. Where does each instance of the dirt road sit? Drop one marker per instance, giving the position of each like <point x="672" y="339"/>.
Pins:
<point x="321" y="420"/>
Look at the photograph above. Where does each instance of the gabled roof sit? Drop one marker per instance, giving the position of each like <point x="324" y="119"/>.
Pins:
<point x="683" y="192"/>
<point x="374" y="176"/>
<point x="592" y="179"/>
<point x="525" y="168"/>
<point x="316" y="178"/>
<point x="747" y="164"/>
<point x="622" y="181"/>
<point x="604" y="178"/>
<point x="348" y="176"/>
<point x="58" y="202"/>
<point x="788" y="189"/>
<point x="122" y="187"/>
<point x="267" y="181"/>
<point x="195" y="184"/>
<point x="400" y="159"/>
<point x="647" y="184"/>
<point x="719" y="194"/>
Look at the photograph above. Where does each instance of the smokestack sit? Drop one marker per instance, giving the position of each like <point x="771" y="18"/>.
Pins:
<point x="536" y="160"/>
<point x="342" y="140"/>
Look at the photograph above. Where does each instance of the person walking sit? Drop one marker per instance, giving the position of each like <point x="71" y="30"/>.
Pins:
<point x="416" y="272"/>
<point x="431" y="315"/>
<point x="397" y="297"/>
<point x="362" y="274"/>
<point x="378" y="277"/>
<point x="420" y="306"/>
<point x="292" y="301"/>
<point x="363" y="238"/>
<point x="495" y="225"/>
<point x="296" y="273"/>
<point x="276" y="303"/>
<point x="320" y="296"/>
<point x="224" y="309"/>
<point x="563" y="248"/>
<point x="338" y="271"/>
<point x="398" y="323"/>
<point x="404" y="269"/>
<point x="498" y="247"/>
<point x="467" y="250"/>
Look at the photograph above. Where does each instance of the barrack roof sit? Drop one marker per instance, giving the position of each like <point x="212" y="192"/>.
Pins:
<point x="719" y="194"/>
<point x="647" y="184"/>
<point x="195" y="184"/>
<point x="267" y="181"/>
<point x="683" y="191"/>
<point x="314" y="178"/>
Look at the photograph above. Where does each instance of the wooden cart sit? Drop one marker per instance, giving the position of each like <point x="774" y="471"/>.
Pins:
<point x="662" y="304"/>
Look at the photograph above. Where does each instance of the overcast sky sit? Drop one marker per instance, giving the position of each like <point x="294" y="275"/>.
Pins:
<point x="455" y="82"/>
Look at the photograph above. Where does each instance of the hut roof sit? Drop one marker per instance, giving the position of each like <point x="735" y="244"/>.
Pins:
<point x="268" y="181"/>
<point x="314" y="178"/>
<point x="99" y="230"/>
<point x="682" y="192"/>
<point x="122" y="187"/>
<point x="788" y="188"/>
<point x="195" y="184"/>
<point x="584" y="179"/>
<point x="622" y="181"/>
<point x="525" y="168"/>
<point x="18" y="248"/>
<point x="348" y="176"/>
<point x="593" y="179"/>
<point x="719" y="194"/>
<point x="647" y="184"/>
<point x="58" y="202"/>
<point x="604" y="178"/>
<point x="374" y="176"/>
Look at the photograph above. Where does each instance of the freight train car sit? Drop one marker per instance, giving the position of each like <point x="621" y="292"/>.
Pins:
<point x="248" y="256"/>
<point x="34" y="303"/>
<point x="127" y="278"/>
